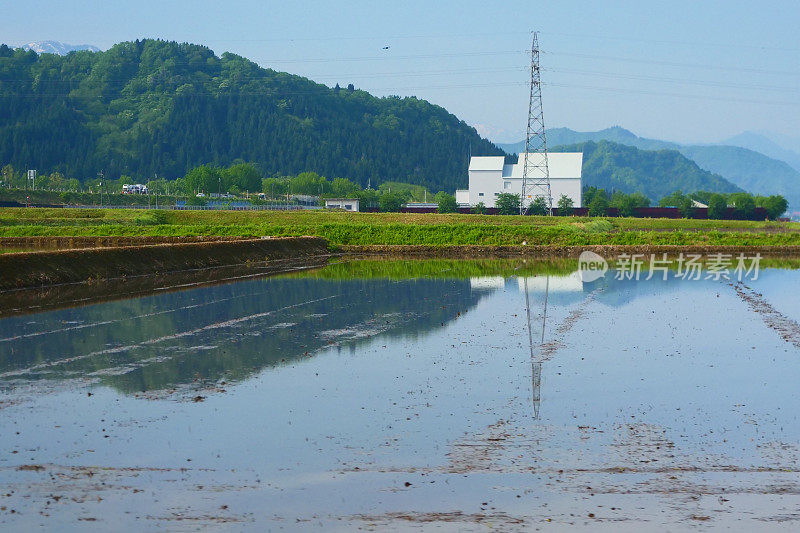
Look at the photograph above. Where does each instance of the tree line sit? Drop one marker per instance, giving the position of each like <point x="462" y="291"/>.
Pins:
<point x="248" y="179"/>
<point x="598" y="203"/>
<point x="150" y="107"/>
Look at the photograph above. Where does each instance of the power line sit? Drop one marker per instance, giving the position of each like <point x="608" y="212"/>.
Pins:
<point x="737" y="45"/>
<point x="388" y="57"/>
<point x="482" y="35"/>
<point x="438" y="72"/>
<point x="674" y="80"/>
<point x="675" y="95"/>
<point x="675" y="64"/>
<point x="312" y="77"/>
<point x="273" y="93"/>
<point x="386" y="38"/>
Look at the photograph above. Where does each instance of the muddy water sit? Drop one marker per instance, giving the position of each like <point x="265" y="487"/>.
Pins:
<point x="405" y="396"/>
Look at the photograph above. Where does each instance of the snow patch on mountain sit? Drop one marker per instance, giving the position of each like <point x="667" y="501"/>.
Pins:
<point x="56" y="47"/>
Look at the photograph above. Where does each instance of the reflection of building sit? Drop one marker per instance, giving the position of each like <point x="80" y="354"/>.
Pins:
<point x="569" y="283"/>
<point x="487" y="282"/>
<point x="491" y="176"/>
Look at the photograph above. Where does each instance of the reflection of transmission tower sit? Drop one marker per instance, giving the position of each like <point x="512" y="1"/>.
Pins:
<point x="535" y="173"/>
<point x="536" y="366"/>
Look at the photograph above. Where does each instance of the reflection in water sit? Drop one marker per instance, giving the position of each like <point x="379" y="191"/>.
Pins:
<point x="228" y="332"/>
<point x="221" y="333"/>
<point x="374" y="387"/>
<point x="536" y="366"/>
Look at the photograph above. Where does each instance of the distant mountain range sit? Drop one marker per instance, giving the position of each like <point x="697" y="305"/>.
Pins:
<point x="763" y="144"/>
<point x="56" y="47"/>
<point x="619" y="167"/>
<point x="147" y="107"/>
<point x="746" y="168"/>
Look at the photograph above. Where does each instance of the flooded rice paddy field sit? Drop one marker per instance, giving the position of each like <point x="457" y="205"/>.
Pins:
<point x="408" y="395"/>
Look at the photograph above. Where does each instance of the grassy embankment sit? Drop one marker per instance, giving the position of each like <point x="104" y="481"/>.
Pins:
<point x="397" y="229"/>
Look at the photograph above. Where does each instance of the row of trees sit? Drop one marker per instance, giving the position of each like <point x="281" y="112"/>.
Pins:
<point x="598" y="202"/>
<point x="243" y="177"/>
<point x="18" y="179"/>
<point x="239" y="178"/>
<point x="743" y="204"/>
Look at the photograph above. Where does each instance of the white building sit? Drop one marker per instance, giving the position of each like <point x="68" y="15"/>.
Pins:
<point x="490" y="176"/>
<point x="348" y="204"/>
<point x="134" y="189"/>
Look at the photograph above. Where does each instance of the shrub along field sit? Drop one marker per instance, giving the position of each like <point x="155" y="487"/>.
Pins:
<point x="396" y="228"/>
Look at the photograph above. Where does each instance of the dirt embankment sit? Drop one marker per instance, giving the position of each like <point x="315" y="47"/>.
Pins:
<point x="63" y="243"/>
<point x="538" y="251"/>
<point x="36" y="269"/>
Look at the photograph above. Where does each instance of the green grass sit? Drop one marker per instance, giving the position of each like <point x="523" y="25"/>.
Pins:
<point x="438" y="268"/>
<point x="396" y="228"/>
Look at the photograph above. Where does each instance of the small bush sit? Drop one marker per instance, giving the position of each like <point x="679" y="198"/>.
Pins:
<point x="565" y="205"/>
<point x="775" y="205"/>
<point x="391" y="202"/>
<point x="538" y="206"/>
<point x="479" y="208"/>
<point x="744" y="205"/>
<point x="195" y="201"/>
<point x="447" y="203"/>
<point x="507" y="203"/>
<point x="717" y="205"/>
<point x="598" y="207"/>
<point x="151" y="218"/>
<point x="598" y="226"/>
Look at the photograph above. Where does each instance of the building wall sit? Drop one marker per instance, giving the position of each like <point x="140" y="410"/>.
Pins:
<point x="489" y="176"/>
<point x="483" y="186"/>
<point x="347" y="205"/>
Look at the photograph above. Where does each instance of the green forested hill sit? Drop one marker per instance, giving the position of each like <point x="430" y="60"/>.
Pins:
<point x="656" y="174"/>
<point x="750" y="170"/>
<point x="151" y="106"/>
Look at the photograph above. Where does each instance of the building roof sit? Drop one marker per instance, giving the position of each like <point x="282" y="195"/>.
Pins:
<point x="341" y="199"/>
<point x="559" y="165"/>
<point x="486" y="163"/>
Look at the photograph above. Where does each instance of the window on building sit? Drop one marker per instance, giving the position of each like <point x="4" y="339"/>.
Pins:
<point x="506" y="185"/>
<point x="480" y="194"/>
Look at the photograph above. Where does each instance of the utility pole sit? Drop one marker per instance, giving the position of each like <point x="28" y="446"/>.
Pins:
<point x="100" y="175"/>
<point x="535" y="172"/>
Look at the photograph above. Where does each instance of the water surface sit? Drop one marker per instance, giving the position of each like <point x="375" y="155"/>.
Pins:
<point x="407" y="395"/>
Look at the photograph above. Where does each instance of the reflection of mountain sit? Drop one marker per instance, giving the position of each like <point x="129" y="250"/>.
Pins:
<point x="620" y="292"/>
<point x="569" y="289"/>
<point x="226" y="331"/>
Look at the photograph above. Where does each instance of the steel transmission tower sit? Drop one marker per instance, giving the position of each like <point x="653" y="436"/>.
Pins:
<point x="535" y="173"/>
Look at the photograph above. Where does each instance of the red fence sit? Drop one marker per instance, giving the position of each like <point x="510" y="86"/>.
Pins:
<point x="640" y="212"/>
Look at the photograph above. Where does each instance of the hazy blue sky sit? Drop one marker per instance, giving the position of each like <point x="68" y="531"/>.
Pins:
<point x="685" y="70"/>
